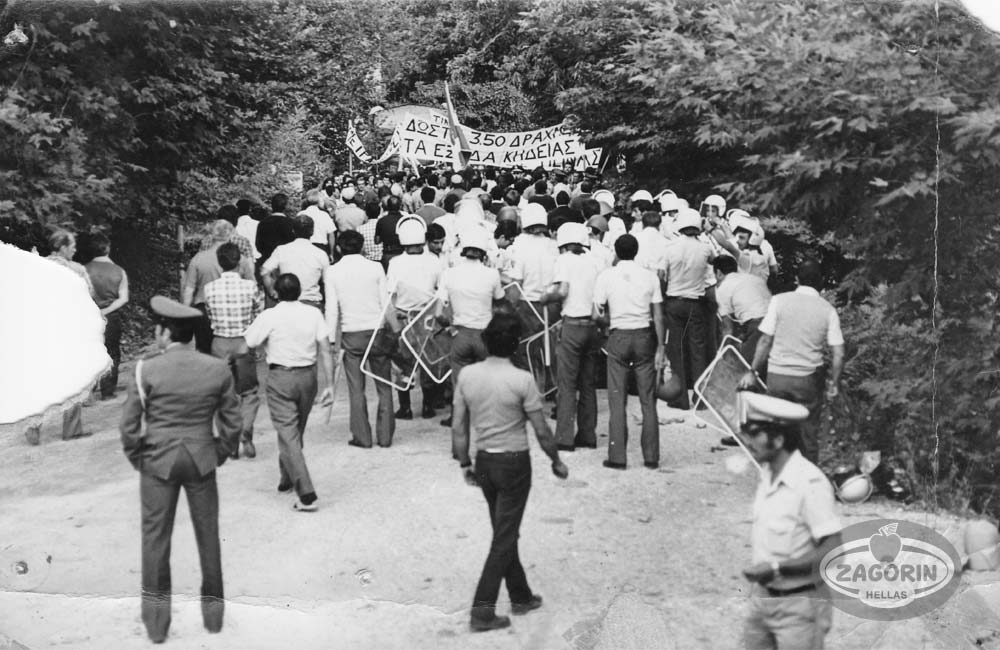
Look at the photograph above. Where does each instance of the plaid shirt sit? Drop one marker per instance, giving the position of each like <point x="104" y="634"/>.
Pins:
<point x="246" y="250"/>
<point x="371" y="250"/>
<point x="232" y="304"/>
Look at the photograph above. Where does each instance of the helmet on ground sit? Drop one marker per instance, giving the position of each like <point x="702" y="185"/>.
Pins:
<point x="534" y="214"/>
<point x="855" y="489"/>
<point x="411" y="231"/>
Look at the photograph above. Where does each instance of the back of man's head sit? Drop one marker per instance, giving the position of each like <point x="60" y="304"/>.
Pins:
<point x="302" y="226"/>
<point x="810" y="274"/>
<point x="562" y="198"/>
<point x="502" y="336"/>
<point x="287" y="287"/>
<point x="651" y="219"/>
<point x="541" y="187"/>
<point x="393" y="204"/>
<point x="626" y="247"/>
<point x="228" y="212"/>
<point x="372" y="210"/>
<point x="449" y="202"/>
<point x="221" y="230"/>
<point x="427" y="194"/>
<point x="243" y="207"/>
<point x="590" y="207"/>
<point x="312" y="197"/>
<point x="351" y="242"/>
<point x="724" y="264"/>
<point x="587" y="186"/>
<point x="279" y="203"/>
<point x="512" y="197"/>
<point x="228" y="256"/>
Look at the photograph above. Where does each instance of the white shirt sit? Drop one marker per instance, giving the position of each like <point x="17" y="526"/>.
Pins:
<point x="800" y="321"/>
<point x="580" y="273"/>
<point x="687" y="265"/>
<point x="616" y="228"/>
<point x="303" y="260"/>
<point x="629" y="290"/>
<point x="470" y="288"/>
<point x="414" y="279"/>
<point x="604" y="255"/>
<point x="291" y="331"/>
<point x="248" y="228"/>
<point x="355" y="295"/>
<point x="652" y="249"/>
<point x="533" y="260"/>
<point x="322" y="224"/>
<point x="742" y="297"/>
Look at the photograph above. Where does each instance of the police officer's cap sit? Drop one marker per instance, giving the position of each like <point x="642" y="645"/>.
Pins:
<point x="755" y="407"/>
<point x="171" y="309"/>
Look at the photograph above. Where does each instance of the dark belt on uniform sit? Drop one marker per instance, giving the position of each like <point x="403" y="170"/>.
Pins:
<point x="777" y="593"/>
<point x="503" y="454"/>
<point x="577" y="320"/>
<point x="275" y="366"/>
<point x="685" y="299"/>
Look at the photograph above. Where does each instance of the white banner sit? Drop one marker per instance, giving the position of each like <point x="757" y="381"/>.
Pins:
<point x="550" y="147"/>
<point x="355" y="144"/>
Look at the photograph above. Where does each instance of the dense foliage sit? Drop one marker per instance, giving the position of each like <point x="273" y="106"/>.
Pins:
<point x="864" y="133"/>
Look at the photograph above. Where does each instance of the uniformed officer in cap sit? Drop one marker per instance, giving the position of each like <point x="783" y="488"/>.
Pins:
<point x="793" y="515"/>
<point x="178" y="393"/>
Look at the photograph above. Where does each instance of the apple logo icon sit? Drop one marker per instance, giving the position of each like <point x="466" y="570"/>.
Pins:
<point x="886" y="544"/>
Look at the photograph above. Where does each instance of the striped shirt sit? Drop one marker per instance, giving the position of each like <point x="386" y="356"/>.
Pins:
<point x="232" y="304"/>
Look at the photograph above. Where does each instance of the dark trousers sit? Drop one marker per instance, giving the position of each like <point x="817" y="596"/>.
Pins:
<point x="159" y="505"/>
<point x="807" y="391"/>
<point x="713" y="334"/>
<point x="234" y="351"/>
<point x="578" y="348"/>
<point x="354" y="345"/>
<point x="203" y="331"/>
<point x="113" y="344"/>
<point x="635" y="349"/>
<point x="466" y="348"/>
<point x="685" y="343"/>
<point x="290" y="395"/>
<point x="749" y="333"/>
<point x="505" y="479"/>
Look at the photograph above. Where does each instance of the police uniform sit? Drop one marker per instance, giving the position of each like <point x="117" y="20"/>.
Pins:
<point x="178" y="394"/>
<point x="791" y="513"/>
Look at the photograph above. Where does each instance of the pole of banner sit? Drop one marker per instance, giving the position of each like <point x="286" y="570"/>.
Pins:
<point x="606" y="159"/>
<point x="350" y="162"/>
<point x="545" y="341"/>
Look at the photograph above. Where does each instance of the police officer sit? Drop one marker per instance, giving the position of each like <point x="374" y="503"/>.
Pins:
<point x="179" y="392"/>
<point x="793" y="516"/>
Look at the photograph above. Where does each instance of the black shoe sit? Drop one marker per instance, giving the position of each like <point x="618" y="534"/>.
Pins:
<point x="428" y="412"/>
<point x="566" y="447"/>
<point x="285" y="487"/>
<point x="354" y="443"/>
<point x="495" y="623"/>
<point x="612" y="465"/>
<point x="248" y="449"/>
<point x="384" y="446"/>
<point x="652" y="465"/>
<point x="730" y="442"/>
<point x="236" y="453"/>
<point x="553" y="415"/>
<point x="446" y="422"/>
<point x="523" y="608"/>
<point x="587" y="445"/>
<point x="404" y="414"/>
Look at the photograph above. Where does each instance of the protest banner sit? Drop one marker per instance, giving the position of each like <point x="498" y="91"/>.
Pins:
<point x="355" y="144"/>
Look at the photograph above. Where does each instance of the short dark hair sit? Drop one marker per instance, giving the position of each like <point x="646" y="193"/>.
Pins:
<point x="724" y="264"/>
<point x="626" y="247"/>
<point x="450" y="201"/>
<point x="506" y="228"/>
<point x="243" y="206"/>
<point x="351" y="242"/>
<point x="393" y="203"/>
<point x="181" y="329"/>
<point x="228" y="255"/>
<point x="541" y="187"/>
<point x="287" y="287"/>
<point x="435" y="231"/>
<point x="279" y="202"/>
<point x="586" y="186"/>
<point x="228" y="212"/>
<point x="372" y="210"/>
<point x="562" y="198"/>
<point x="512" y="197"/>
<point x="485" y="201"/>
<point x="789" y="432"/>
<point x="302" y="226"/>
<point x="642" y="205"/>
<point x="651" y="219"/>
<point x="503" y="335"/>
<point x="100" y="244"/>
<point x="428" y="194"/>
<point x="810" y="274"/>
<point x="590" y="207"/>
<point x="258" y="213"/>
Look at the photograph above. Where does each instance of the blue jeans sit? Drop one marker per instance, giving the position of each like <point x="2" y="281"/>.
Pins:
<point x="505" y="479"/>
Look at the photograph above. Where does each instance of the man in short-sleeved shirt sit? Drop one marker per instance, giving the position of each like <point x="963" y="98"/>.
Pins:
<point x="632" y="296"/>
<point x="742" y="301"/>
<point x="793" y="516"/>
<point x="797" y="328"/>
<point x="301" y="258"/>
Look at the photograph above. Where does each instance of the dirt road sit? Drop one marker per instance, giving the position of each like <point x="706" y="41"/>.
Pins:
<point x="634" y="559"/>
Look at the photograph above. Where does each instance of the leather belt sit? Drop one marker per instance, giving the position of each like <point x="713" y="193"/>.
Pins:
<point x="577" y="320"/>
<point x="777" y="593"/>
<point x="484" y="452"/>
<point x="275" y="366"/>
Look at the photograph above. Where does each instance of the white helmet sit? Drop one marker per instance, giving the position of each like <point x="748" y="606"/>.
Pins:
<point x="733" y="216"/>
<point x="534" y="214"/>
<point x="741" y="220"/>
<point x="411" y="230"/>
<point x="572" y="233"/>
<point x="663" y="193"/>
<point x="756" y="235"/>
<point x="714" y="200"/>
<point x="641" y="195"/>
<point x="855" y="489"/>
<point x="604" y="196"/>
<point x="670" y="203"/>
<point x="687" y="218"/>
<point x="474" y="238"/>
<point x="470" y="208"/>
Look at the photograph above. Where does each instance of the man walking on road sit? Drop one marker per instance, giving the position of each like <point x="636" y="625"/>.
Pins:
<point x="296" y="337"/>
<point x="797" y="326"/>
<point x="493" y="400"/>
<point x="793" y="517"/>
<point x="110" y="284"/>
<point x="179" y="394"/>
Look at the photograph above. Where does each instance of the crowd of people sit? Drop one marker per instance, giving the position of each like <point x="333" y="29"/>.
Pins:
<point x="538" y="284"/>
